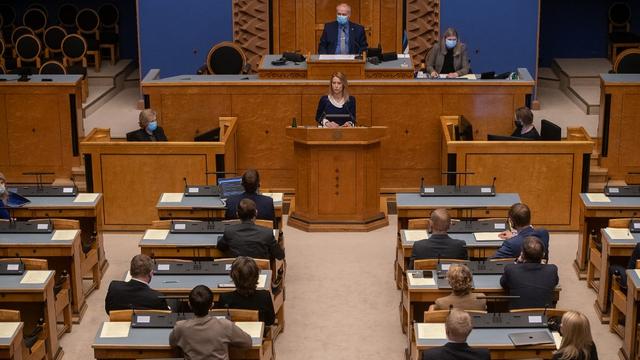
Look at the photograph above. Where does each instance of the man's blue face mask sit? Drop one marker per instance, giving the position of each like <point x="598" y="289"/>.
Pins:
<point x="342" y="19"/>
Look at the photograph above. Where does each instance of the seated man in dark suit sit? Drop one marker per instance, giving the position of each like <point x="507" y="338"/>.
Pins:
<point x="249" y="239"/>
<point x="458" y="327"/>
<point x="520" y="222"/>
<point x="342" y="36"/>
<point x="439" y="245"/>
<point x="251" y="184"/>
<point x="149" y="129"/>
<point x="532" y="281"/>
<point x="135" y="294"/>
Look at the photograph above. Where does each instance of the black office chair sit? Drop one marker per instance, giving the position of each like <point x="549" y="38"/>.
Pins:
<point x="40" y="7"/>
<point x="628" y="62"/>
<point x="109" y="29"/>
<point x="88" y="23"/>
<point x="74" y="50"/>
<point x="226" y="58"/>
<point x="28" y="49"/>
<point x="53" y="37"/>
<point x="67" y="13"/>
<point x="53" y="67"/>
<point x="19" y="32"/>
<point x="35" y="19"/>
<point x="620" y="35"/>
<point x="550" y="131"/>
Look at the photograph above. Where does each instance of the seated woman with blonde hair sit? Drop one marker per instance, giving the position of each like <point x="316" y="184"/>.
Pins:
<point x="577" y="343"/>
<point x="461" y="282"/>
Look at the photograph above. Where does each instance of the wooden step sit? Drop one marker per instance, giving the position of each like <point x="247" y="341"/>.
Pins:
<point x="77" y="170"/>
<point x="596" y="187"/>
<point x="598" y="174"/>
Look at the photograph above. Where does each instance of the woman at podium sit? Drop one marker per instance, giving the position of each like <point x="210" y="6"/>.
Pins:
<point x="337" y="109"/>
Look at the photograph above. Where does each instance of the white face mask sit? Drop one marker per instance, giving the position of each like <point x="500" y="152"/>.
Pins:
<point x="3" y="189"/>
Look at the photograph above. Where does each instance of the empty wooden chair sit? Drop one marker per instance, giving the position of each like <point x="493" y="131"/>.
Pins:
<point x="52" y="39"/>
<point x="28" y="50"/>
<point x="33" y="346"/>
<point x="237" y="314"/>
<point x="16" y="34"/>
<point x="88" y="23"/>
<point x="618" y="305"/>
<point x="109" y="30"/>
<point x="126" y="315"/>
<point x="263" y="264"/>
<point x="419" y="224"/>
<point x="628" y="62"/>
<point x="440" y="316"/>
<point x="432" y="264"/>
<point x="53" y="67"/>
<point x="35" y="19"/>
<point x="226" y="58"/>
<point x="67" y="13"/>
<point x="8" y="15"/>
<point x="74" y="50"/>
<point x="594" y="271"/>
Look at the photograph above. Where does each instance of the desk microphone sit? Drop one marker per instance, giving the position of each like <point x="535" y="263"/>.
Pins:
<point x="186" y="185"/>
<point x="493" y="184"/>
<point x="422" y="184"/>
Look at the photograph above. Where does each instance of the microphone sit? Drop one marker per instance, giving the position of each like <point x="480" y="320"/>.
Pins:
<point x="544" y="313"/>
<point x="73" y="180"/>
<point x="20" y="259"/>
<point x="438" y="258"/>
<point x="186" y="185"/>
<point x="226" y="306"/>
<point x="606" y="185"/>
<point x="422" y="184"/>
<point x="493" y="184"/>
<point x="133" y="312"/>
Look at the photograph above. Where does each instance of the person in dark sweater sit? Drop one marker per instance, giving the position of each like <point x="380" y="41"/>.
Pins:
<point x="458" y="327"/>
<point x="439" y="244"/>
<point x="245" y="273"/>
<point x="338" y="101"/>
<point x="524" y="124"/>
<point x="520" y="222"/>
<point x="149" y="129"/>
<point x="577" y="343"/>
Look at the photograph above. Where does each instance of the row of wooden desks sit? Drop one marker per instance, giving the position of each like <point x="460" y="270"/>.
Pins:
<point x="629" y="348"/>
<point x="11" y="340"/>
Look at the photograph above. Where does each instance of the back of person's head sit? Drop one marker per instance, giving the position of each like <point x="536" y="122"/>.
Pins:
<point x="458" y="326"/>
<point x="576" y="336"/>
<point x="146" y="116"/>
<point x="141" y="266"/>
<point x="245" y="273"/>
<point x="251" y="180"/>
<point x="520" y="215"/>
<point x="247" y="209"/>
<point x="460" y="279"/>
<point x="525" y="115"/>
<point x="440" y="220"/>
<point x="532" y="249"/>
<point x="200" y="300"/>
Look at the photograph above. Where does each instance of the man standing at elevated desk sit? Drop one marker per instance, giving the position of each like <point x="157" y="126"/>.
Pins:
<point x="520" y="223"/>
<point x="439" y="245"/>
<point x="251" y="184"/>
<point x="342" y="36"/>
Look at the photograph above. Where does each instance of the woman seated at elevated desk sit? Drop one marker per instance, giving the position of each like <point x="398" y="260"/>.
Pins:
<point x="448" y="57"/>
<point x="336" y="103"/>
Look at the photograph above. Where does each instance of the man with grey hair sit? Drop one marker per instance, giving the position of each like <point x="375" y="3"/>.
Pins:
<point x="458" y="327"/>
<point x="343" y="36"/>
<point x="439" y="245"/>
<point x="149" y="129"/>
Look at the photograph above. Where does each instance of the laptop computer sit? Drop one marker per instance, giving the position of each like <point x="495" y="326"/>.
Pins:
<point x="531" y="338"/>
<point x="230" y="186"/>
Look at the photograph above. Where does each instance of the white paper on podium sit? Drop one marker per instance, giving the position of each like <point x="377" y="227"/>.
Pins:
<point x="35" y="277"/>
<point x="432" y="331"/>
<point x="115" y="329"/>
<point x="487" y="236"/>
<point x="86" y="198"/>
<point x="171" y="198"/>
<point x="7" y="329"/>
<point x="64" y="235"/>
<point x="336" y="57"/>
<point x="156" y="234"/>
<point x="415" y="235"/>
<point x="598" y="198"/>
<point x="619" y="233"/>
<point x="420" y="281"/>
<point x="253" y="328"/>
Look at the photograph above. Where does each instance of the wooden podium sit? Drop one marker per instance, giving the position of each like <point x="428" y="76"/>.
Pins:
<point x="338" y="178"/>
<point x="323" y="69"/>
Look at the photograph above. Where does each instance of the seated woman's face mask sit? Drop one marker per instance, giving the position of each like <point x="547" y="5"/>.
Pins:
<point x="3" y="189"/>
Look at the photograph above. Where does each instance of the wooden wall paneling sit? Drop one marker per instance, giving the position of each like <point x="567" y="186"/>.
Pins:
<point x="4" y="135"/>
<point x="337" y="182"/>
<point x="629" y="146"/>
<point x="423" y="27"/>
<point x="198" y="112"/>
<point x="251" y="28"/>
<point x="483" y="110"/>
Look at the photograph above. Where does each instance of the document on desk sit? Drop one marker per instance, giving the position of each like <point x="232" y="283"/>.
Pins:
<point x="431" y="331"/>
<point x="7" y="329"/>
<point x="415" y="235"/>
<point x="469" y="77"/>
<point x="64" y="235"/>
<point x="277" y="197"/>
<point x="557" y="339"/>
<point x="598" y="198"/>
<point x="171" y="197"/>
<point x="153" y="234"/>
<point x="86" y="198"/>
<point x="336" y="57"/>
<point x="35" y="277"/>
<point x="416" y="281"/>
<point x="619" y="233"/>
<point x="253" y="328"/>
<point x="487" y="236"/>
<point x="262" y="280"/>
<point x="115" y="329"/>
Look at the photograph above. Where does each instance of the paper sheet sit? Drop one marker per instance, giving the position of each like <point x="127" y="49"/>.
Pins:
<point x="64" y="235"/>
<point x="420" y="281"/>
<point x="171" y="197"/>
<point x="415" y="235"/>
<point x="115" y="329"/>
<point x="254" y="329"/>
<point x="7" y="329"/>
<point x="557" y="339"/>
<point x="486" y="236"/>
<point x="469" y="77"/>
<point x="35" y="277"/>
<point x="86" y="198"/>
<point x="153" y="234"/>
<point x="598" y="198"/>
<point x="431" y="331"/>
<point x="277" y="197"/>
<point x="336" y="57"/>
<point x="262" y="281"/>
<point x="619" y="233"/>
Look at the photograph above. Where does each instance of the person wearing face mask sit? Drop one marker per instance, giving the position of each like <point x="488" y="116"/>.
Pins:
<point x="149" y="129"/>
<point x="4" y="198"/>
<point x="338" y="101"/>
<point x="524" y="124"/>
<point x="448" y="57"/>
<point x="342" y="36"/>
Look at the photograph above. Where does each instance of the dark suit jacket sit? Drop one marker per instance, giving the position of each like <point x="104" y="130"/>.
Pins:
<point x="264" y="205"/>
<point x="438" y="246"/>
<point x="142" y="135"/>
<point x="329" y="39"/>
<point x="249" y="239"/>
<point x="125" y="295"/>
<point x="533" y="282"/>
<point x="511" y="248"/>
<point x="325" y="107"/>
<point x="260" y="300"/>
<point x="456" y="351"/>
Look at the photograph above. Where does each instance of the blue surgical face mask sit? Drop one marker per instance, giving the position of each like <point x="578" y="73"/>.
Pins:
<point x="451" y="43"/>
<point x="152" y="126"/>
<point x="3" y="189"/>
<point x="342" y="19"/>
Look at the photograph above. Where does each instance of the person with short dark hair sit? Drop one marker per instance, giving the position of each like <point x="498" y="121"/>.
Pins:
<point x="245" y="273"/>
<point x="135" y="294"/>
<point x="524" y="124"/>
<point x="461" y="282"/>
<point x="251" y="184"/>
<point x="520" y="222"/>
<point x="205" y="336"/>
<point x="529" y="279"/>
<point x="247" y="238"/>
<point x="458" y="327"/>
<point x="149" y="129"/>
<point x="439" y="245"/>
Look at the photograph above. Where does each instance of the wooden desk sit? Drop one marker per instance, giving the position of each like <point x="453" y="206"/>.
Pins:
<point x="154" y="344"/>
<point x="89" y="214"/>
<point x="60" y="254"/>
<point x="496" y="340"/>
<point x="619" y="123"/>
<point x="37" y="117"/>
<point x="131" y="175"/>
<point x="34" y="301"/>
<point x="629" y="349"/>
<point x="11" y="347"/>
<point x="556" y="171"/>
<point x="411" y="110"/>
<point x="595" y="216"/>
